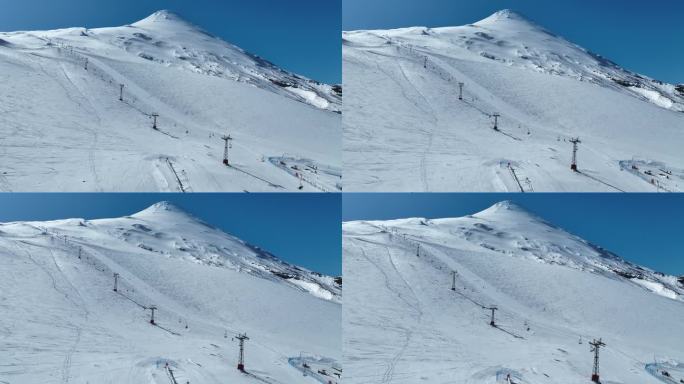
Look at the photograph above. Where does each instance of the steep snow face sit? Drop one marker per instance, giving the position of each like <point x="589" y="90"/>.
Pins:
<point x="67" y="323"/>
<point x="173" y="41"/>
<point x="150" y="229"/>
<point x="166" y="38"/>
<point x="410" y="131"/>
<point x="166" y="230"/>
<point x="62" y="94"/>
<point x="554" y="292"/>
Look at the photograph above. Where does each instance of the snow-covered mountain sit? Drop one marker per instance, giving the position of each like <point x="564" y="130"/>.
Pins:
<point x="554" y="291"/>
<point x="410" y="130"/>
<point x="62" y="321"/>
<point x="172" y="41"/>
<point x="65" y="128"/>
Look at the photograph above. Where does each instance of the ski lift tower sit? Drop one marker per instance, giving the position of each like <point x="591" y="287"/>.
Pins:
<point x="595" y="346"/>
<point x="496" y="121"/>
<point x="121" y="87"/>
<point x="574" y="142"/>
<point x="453" y="280"/>
<point x="241" y="360"/>
<point x="460" y="90"/>
<point x="228" y="144"/>
<point x="116" y="282"/>
<point x="152" y="308"/>
<point x="493" y="309"/>
<point x="154" y="123"/>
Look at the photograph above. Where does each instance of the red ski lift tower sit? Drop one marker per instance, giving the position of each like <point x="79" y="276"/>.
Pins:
<point x="595" y="346"/>
<point x="574" y="142"/>
<point x="496" y="121"/>
<point x="228" y="144"/>
<point x="241" y="361"/>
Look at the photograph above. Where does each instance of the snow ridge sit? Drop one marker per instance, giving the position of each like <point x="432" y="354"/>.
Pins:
<point x="160" y="16"/>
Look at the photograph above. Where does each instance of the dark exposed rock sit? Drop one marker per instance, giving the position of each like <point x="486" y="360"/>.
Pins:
<point x="625" y="83"/>
<point x="280" y="83"/>
<point x="680" y="89"/>
<point x="142" y="36"/>
<point x="628" y="274"/>
<point x="145" y="56"/>
<point x="283" y="275"/>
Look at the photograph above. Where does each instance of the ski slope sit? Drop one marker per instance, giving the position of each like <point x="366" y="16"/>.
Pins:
<point x="64" y="127"/>
<point x="554" y="292"/>
<point x="405" y="128"/>
<point x="63" y="323"/>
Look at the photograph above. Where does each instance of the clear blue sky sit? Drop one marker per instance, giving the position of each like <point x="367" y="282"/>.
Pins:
<point x="302" y="36"/>
<point x="643" y="36"/>
<point x="643" y="228"/>
<point x="303" y="229"/>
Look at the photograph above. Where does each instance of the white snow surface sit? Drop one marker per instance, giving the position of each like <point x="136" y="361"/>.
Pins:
<point x="62" y="321"/>
<point x="405" y="128"/>
<point x="64" y="128"/>
<point x="554" y="291"/>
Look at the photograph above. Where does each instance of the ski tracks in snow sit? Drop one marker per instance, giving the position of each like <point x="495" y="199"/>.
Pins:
<point x="93" y="145"/>
<point x="413" y="304"/>
<point x="85" y="103"/>
<point x="429" y="112"/>
<point x="430" y="132"/>
<point x="66" y="367"/>
<point x="93" y="131"/>
<point x="80" y="303"/>
<point x="389" y="373"/>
